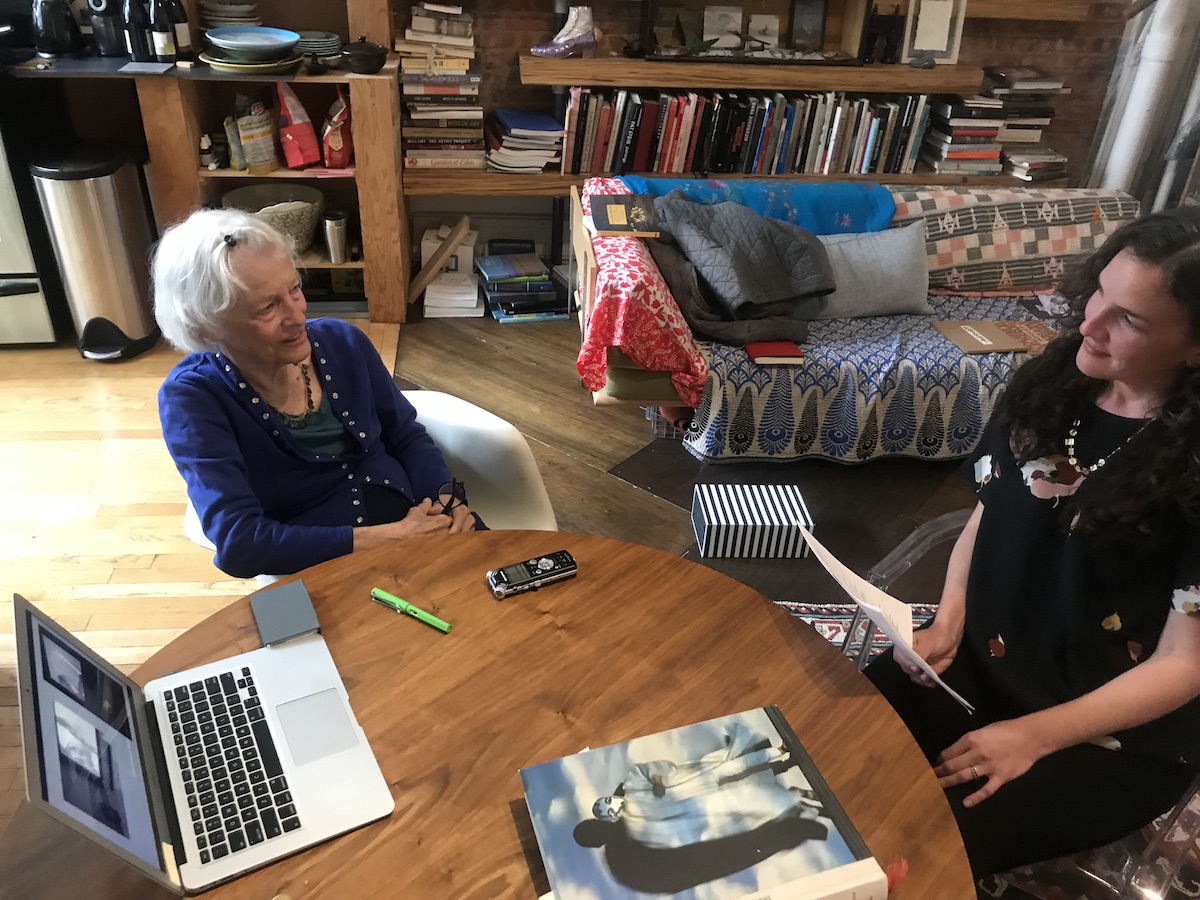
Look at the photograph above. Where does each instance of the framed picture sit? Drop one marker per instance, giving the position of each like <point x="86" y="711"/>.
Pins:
<point x="723" y="24"/>
<point x="808" y="24"/>
<point x="764" y="31"/>
<point x="933" y="30"/>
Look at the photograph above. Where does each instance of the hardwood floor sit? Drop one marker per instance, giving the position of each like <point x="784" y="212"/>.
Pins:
<point x="91" y="526"/>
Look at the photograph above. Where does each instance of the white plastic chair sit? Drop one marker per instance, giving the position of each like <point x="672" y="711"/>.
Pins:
<point x="491" y="457"/>
<point x="1141" y="865"/>
<point x="486" y="453"/>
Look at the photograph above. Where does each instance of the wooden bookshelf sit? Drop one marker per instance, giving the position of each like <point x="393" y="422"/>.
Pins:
<point x="317" y="259"/>
<point x="494" y="184"/>
<point x="621" y="72"/>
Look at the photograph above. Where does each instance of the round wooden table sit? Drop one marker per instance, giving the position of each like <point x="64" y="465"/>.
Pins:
<point x="639" y="642"/>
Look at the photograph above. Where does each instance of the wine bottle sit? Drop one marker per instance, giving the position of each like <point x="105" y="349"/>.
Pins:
<point x="137" y="27"/>
<point x="183" y="33"/>
<point x="162" y="31"/>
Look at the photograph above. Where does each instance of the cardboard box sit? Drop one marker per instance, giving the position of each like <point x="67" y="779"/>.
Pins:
<point x="750" y="520"/>
<point x="462" y="260"/>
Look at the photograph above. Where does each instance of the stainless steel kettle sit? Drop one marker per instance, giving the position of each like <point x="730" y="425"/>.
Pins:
<point x="55" y="31"/>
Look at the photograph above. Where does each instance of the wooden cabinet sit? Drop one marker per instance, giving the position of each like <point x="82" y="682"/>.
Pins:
<point x="176" y="111"/>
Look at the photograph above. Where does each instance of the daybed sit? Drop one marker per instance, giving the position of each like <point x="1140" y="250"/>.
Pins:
<point x="880" y="385"/>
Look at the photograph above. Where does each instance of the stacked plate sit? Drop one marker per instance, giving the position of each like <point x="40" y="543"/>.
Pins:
<point x="249" y="49"/>
<point x="319" y="43"/>
<point x="219" y="12"/>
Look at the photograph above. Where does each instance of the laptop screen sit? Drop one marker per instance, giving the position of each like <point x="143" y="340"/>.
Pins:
<point x="87" y="747"/>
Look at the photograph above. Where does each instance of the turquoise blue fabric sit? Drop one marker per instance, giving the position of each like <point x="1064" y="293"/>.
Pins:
<point x="838" y="207"/>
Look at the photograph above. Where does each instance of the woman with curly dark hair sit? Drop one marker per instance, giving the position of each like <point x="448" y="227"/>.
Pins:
<point x="1070" y="615"/>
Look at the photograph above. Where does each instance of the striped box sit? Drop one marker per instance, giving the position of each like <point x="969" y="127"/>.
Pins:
<point x="750" y="520"/>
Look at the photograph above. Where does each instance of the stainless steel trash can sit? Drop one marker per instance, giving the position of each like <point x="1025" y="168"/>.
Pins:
<point x="94" y="203"/>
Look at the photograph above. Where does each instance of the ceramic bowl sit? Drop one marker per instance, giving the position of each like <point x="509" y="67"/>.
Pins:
<point x="292" y="209"/>
<point x="253" y="43"/>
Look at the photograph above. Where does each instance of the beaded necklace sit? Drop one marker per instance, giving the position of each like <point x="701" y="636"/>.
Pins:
<point x="1069" y="444"/>
<point x="300" y="420"/>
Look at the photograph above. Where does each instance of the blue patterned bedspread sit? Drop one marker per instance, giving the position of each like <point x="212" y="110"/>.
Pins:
<point x="869" y="387"/>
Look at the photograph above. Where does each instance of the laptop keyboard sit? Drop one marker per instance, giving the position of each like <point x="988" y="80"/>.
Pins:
<point x="237" y="794"/>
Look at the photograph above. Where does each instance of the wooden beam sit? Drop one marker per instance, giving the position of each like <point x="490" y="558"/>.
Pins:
<point x="171" y="118"/>
<point x="387" y="245"/>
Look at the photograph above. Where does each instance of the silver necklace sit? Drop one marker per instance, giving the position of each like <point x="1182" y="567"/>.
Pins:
<point x="1098" y="464"/>
<point x="300" y="420"/>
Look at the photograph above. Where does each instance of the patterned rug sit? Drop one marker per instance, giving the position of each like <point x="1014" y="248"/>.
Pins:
<point x="832" y="620"/>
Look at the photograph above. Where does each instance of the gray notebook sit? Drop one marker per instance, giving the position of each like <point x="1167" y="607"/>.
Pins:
<point x="284" y="612"/>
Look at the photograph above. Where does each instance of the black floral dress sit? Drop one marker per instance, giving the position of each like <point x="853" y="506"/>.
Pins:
<point x="1054" y="613"/>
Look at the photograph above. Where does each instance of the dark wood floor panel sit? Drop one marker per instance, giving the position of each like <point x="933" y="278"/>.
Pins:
<point x="860" y="512"/>
<point x="590" y="501"/>
<point x="525" y="374"/>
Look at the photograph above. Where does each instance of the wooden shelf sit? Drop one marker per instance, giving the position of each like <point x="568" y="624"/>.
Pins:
<point x="316" y="259"/>
<point x="621" y="72"/>
<point x="452" y="182"/>
<point x="107" y="67"/>
<point x="311" y="172"/>
<point x="1030" y="10"/>
<point x="494" y="184"/>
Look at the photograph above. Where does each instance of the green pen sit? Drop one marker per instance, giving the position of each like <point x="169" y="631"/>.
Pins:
<point x="403" y="606"/>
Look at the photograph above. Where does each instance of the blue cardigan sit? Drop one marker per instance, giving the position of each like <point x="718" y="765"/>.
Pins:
<point x="268" y="504"/>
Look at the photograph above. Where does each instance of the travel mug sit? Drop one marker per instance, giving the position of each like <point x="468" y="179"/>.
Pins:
<point x="335" y="235"/>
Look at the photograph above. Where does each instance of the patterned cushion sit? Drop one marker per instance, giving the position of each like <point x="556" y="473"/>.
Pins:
<point x="1002" y="239"/>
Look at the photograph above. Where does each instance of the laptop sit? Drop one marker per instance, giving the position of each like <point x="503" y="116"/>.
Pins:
<point x="203" y="775"/>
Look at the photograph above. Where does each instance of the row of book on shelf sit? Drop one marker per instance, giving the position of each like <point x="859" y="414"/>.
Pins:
<point x="831" y="132"/>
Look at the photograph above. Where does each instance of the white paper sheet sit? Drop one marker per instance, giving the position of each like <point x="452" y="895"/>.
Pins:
<point x="891" y="616"/>
<point x="933" y="25"/>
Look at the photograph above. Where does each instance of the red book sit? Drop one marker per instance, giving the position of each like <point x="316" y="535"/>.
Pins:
<point x="670" y="136"/>
<point x="693" y="138"/>
<point x="603" y="135"/>
<point x="775" y="353"/>
<point x="645" y="135"/>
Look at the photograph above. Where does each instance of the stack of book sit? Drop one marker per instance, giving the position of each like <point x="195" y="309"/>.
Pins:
<point x="1027" y="96"/>
<point x="669" y="132"/>
<point x="453" y="295"/>
<point x="962" y="135"/>
<point x="1034" y="163"/>
<point x="519" y="288"/>
<point x="443" y="124"/>
<point x="522" y="143"/>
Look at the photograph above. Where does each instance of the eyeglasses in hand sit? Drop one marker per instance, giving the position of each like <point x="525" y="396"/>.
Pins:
<point x="457" y="493"/>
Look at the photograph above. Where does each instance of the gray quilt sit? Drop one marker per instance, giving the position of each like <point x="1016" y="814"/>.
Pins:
<point x="739" y="276"/>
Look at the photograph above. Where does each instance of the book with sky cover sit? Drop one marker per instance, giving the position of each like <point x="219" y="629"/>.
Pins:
<point x="730" y="807"/>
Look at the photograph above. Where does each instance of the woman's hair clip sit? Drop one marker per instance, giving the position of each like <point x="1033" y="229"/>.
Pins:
<point x="230" y="240"/>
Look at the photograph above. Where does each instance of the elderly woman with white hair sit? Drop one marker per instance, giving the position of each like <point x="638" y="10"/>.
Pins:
<point x="294" y="442"/>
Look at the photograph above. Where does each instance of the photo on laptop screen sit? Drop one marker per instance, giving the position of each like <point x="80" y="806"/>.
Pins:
<point x="90" y="765"/>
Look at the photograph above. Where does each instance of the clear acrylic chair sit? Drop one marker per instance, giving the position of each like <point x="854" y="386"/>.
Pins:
<point x="1143" y="865"/>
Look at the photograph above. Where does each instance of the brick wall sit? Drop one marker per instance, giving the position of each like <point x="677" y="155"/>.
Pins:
<point x="1082" y="53"/>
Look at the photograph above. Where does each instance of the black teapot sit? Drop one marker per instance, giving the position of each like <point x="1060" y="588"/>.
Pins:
<point x="364" y="57"/>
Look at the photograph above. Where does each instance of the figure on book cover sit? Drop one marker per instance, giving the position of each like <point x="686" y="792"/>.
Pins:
<point x="729" y="792"/>
<point x="1069" y="615"/>
<point x="722" y="808"/>
<point x="294" y="442"/>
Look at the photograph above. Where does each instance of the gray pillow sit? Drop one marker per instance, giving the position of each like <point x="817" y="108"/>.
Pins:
<point x="879" y="273"/>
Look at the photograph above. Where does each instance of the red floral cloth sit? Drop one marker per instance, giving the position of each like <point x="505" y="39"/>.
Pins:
<point x="635" y="312"/>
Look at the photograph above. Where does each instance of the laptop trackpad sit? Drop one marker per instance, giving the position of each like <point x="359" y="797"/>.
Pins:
<point x="316" y="726"/>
